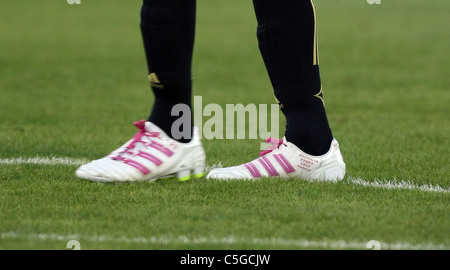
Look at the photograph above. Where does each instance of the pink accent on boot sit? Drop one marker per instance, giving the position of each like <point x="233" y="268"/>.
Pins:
<point x="253" y="170"/>
<point x="275" y="143"/>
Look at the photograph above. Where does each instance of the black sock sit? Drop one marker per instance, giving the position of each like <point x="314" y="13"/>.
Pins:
<point x="168" y="29"/>
<point x="161" y="114"/>
<point x="288" y="43"/>
<point x="302" y="129"/>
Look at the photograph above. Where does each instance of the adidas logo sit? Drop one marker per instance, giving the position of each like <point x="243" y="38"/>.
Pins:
<point x="154" y="81"/>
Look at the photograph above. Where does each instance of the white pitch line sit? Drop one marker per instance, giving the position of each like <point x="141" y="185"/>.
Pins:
<point x="43" y="161"/>
<point x="229" y="240"/>
<point x="395" y="184"/>
<point x="385" y="184"/>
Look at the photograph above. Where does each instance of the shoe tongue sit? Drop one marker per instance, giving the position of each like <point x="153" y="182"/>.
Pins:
<point x="150" y="127"/>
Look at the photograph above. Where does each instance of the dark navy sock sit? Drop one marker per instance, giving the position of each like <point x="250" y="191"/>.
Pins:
<point x="287" y="39"/>
<point x="168" y="30"/>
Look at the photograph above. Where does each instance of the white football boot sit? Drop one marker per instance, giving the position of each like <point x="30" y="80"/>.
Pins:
<point x="149" y="156"/>
<point x="286" y="160"/>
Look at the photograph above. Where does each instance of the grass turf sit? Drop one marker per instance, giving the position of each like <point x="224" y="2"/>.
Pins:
<point x="73" y="79"/>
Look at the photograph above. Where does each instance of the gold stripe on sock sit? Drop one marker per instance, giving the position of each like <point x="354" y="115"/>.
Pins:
<point x="315" y="46"/>
<point x="319" y="96"/>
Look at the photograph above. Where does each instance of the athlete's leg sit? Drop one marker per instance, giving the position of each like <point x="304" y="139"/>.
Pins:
<point x="288" y="43"/>
<point x="168" y="28"/>
<point x="168" y="34"/>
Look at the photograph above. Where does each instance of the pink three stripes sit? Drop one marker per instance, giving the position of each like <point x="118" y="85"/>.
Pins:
<point x="268" y="166"/>
<point x="150" y="157"/>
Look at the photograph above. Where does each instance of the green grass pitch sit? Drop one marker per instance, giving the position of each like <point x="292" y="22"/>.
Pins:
<point x="73" y="78"/>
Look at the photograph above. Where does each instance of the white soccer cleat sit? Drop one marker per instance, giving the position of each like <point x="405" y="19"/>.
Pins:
<point x="286" y="160"/>
<point x="149" y="156"/>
